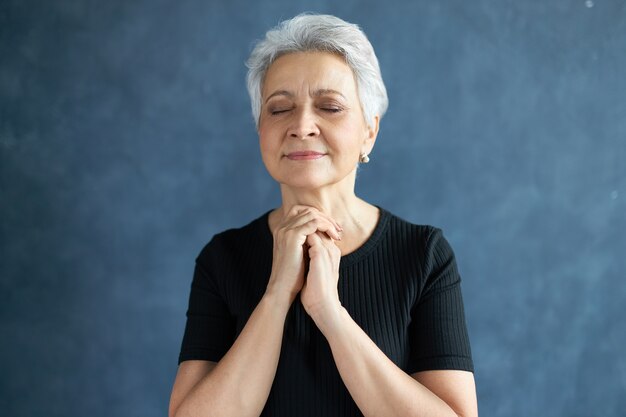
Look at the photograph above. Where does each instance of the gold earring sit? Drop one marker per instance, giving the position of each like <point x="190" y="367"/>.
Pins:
<point x="364" y="158"/>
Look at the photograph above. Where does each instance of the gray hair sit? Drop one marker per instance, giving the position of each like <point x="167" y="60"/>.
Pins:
<point x="326" y="33"/>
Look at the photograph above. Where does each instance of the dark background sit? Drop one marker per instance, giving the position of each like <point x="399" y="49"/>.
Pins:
<point x="126" y="142"/>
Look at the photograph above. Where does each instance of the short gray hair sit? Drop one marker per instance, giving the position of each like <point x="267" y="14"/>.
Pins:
<point x="313" y="32"/>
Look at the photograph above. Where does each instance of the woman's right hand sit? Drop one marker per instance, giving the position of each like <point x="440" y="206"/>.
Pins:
<point x="290" y="252"/>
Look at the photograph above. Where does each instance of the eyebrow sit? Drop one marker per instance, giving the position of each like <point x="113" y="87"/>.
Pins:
<point x="316" y="93"/>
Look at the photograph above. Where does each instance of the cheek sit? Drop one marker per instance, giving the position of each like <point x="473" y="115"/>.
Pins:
<point x="264" y="139"/>
<point x="348" y="141"/>
<point x="268" y="147"/>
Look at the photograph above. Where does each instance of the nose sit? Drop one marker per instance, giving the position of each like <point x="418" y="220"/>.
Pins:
<point x="303" y="125"/>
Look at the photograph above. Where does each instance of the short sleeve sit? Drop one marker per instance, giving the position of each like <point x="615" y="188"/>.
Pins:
<point x="210" y="328"/>
<point x="438" y="335"/>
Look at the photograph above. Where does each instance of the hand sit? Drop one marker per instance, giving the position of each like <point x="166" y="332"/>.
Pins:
<point x="319" y="295"/>
<point x="290" y="236"/>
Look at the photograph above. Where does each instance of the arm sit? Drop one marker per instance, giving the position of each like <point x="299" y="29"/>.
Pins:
<point x="380" y="388"/>
<point x="239" y="384"/>
<point x="190" y="372"/>
<point x="377" y="385"/>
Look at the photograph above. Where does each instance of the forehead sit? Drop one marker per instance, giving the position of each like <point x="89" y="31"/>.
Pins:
<point x="305" y="72"/>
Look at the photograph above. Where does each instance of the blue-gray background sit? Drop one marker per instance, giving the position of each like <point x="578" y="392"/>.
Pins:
<point x="126" y="142"/>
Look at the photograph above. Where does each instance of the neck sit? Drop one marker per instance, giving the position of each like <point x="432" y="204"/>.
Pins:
<point x="357" y="217"/>
<point x="336" y="200"/>
<point x="336" y="205"/>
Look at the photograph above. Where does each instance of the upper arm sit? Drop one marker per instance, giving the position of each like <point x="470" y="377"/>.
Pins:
<point x="210" y="326"/>
<point x="456" y="388"/>
<point x="437" y="331"/>
<point x="188" y="375"/>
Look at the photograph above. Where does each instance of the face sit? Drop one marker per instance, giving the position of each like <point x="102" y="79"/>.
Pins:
<point x="311" y="129"/>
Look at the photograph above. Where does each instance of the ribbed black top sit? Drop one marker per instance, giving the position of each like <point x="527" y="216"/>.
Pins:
<point x="402" y="287"/>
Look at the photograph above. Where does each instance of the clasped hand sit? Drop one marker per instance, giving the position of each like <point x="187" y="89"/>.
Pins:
<point x="304" y="236"/>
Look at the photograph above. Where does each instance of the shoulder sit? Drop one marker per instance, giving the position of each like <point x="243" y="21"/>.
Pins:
<point x="233" y="240"/>
<point x="400" y="227"/>
<point x="427" y="252"/>
<point x="424" y="243"/>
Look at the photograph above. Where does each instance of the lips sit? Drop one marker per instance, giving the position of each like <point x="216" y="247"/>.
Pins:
<point x="305" y="155"/>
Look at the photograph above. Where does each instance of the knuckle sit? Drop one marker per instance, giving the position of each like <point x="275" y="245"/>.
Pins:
<point x="314" y="249"/>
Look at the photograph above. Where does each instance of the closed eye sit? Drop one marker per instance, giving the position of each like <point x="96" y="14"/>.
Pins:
<point x="277" y="112"/>
<point x="332" y="109"/>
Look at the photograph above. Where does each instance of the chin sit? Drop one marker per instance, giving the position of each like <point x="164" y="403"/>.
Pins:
<point x="304" y="185"/>
<point x="309" y="182"/>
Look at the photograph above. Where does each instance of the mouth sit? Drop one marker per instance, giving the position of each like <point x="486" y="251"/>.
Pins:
<point x="304" y="155"/>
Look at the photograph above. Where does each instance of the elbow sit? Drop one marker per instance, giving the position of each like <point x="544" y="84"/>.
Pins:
<point x="172" y="412"/>
<point x="467" y="413"/>
<point x="176" y="410"/>
<point x="183" y="411"/>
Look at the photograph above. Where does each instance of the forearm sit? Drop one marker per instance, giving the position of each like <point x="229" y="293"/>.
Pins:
<point x="240" y="383"/>
<point x="377" y="385"/>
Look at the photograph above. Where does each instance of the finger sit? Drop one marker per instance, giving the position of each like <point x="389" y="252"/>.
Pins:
<point x="313" y="239"/>
<point x="320" y="244"/>
<point x="322" y="223"/>
<point x="299" y="209"/>
<point x="300" y="219"/>
<point x="318" y="225"/>
<point x="328" y="242"/>
<point x="330" y="219"/>
<point x="325" y="238"/>
<point x="337" y="225"/>
<point x="329" y="245"/>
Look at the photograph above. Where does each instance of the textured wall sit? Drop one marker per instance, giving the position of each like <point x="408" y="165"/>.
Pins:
<point x="126" y="142"/>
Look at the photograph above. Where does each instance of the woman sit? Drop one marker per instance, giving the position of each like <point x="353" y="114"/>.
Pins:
<point x="327" y="305"/>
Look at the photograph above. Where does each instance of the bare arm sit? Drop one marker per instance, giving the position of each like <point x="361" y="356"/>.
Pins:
<point x="239" y="384"/>
<point x="456" y="388"/>
<point x="189" y="374"/>
<point x="377" y="385"/>
<point x="381" y="389"/>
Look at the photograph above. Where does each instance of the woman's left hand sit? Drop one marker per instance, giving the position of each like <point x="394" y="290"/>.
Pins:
<point x="319" y="295"/>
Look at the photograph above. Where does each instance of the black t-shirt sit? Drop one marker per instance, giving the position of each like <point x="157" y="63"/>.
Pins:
<point x="402" y="287"/>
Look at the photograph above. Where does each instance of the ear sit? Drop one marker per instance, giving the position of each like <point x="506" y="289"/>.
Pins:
<point x="372" y="133"/>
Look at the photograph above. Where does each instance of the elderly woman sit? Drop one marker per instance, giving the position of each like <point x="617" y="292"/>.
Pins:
<point x="327" y="305"/>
